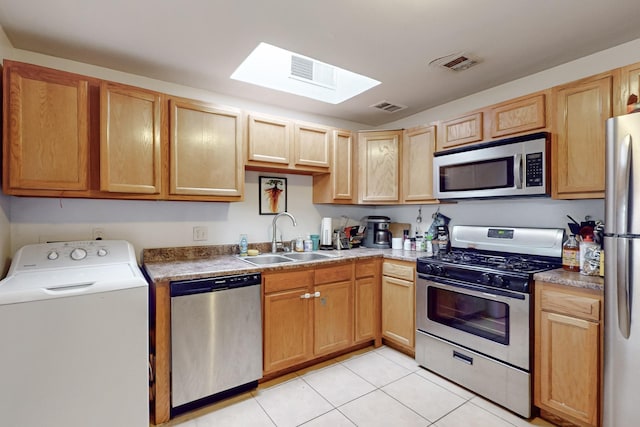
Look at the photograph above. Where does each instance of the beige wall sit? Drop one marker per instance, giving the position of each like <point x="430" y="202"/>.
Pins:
<point x="5" y="226"/>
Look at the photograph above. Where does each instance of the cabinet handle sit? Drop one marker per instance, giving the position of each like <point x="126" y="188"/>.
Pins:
<point x="317" y="294"/>
<point x="463" y="358"/>
<point x="305" y="296"/>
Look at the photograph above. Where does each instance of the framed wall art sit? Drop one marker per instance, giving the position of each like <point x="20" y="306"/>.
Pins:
<point x="272" y="195"/>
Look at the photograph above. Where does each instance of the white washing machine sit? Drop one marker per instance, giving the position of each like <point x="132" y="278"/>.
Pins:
<point x="74" y="337"/>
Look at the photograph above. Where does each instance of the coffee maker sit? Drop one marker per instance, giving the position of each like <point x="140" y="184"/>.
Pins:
<point x="377" y="234"/>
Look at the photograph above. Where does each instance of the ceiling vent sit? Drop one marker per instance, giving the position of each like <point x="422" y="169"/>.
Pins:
<point x="388" y="107"/>
<point x="313" y="72"/>
<point x="456" y="61"/>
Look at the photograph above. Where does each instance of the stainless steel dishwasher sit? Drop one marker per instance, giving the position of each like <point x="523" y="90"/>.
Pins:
<point x="216" y="338"/>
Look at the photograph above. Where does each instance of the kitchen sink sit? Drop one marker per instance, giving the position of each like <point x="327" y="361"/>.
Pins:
<point x="266" y="259"/>
<point x="307" y="256"/>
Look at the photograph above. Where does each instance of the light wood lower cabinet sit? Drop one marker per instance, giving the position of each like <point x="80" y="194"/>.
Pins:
<point x="568" y="352"/>
<point x="398" y="303"/>
<point x="367" y="301"/>
<point x="310" y="313"/>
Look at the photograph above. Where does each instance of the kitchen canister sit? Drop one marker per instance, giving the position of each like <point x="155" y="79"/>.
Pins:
<point x="396" y="243"/>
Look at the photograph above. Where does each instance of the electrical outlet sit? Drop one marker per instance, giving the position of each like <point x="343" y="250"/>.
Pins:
<point x="200" y="233"/>
<point x="98" y="233"/>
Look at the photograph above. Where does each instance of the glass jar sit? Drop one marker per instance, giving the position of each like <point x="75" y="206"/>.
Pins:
<point x="571" y="254"/>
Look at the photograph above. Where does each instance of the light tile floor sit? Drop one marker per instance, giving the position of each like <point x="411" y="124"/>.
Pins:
<point x="370" y="387"/>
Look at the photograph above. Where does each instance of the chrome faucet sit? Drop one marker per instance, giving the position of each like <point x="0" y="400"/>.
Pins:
<point x="274" y="244"/>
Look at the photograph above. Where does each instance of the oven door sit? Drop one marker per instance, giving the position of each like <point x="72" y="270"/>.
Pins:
<point x="493" y="322"/>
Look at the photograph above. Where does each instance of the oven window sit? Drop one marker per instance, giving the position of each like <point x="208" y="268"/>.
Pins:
<point x="485" y="318"/>
<point x="484" y="175"/>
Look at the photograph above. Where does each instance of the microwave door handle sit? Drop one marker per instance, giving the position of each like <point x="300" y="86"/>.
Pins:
<point x="517" y="171"/>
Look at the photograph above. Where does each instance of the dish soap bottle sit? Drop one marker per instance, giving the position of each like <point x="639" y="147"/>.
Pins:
<point x="244" y="245"/>
<point x="571" y="254"/>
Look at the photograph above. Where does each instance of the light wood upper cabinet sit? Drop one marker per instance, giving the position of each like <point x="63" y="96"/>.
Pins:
<point x="460" y="131"/>
<point x="205" y="156"/>
<point x="629" y="85"/>
<point x="337" y="186"/>
<point x="312" y="144"/>
<point x="379" y="155"/>
<point x="270" y="140"/>
<point x="522" y="115"/>
<point x="418" y="146"/>
<point x="46" y="130"/>
<point x="130" y="122"/>
<point x="287" y="145"/>
<point x="568" y="352"/>
<point x="581" y="108"/>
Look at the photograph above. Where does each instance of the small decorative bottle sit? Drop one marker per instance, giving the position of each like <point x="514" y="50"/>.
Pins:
<point x="571" y="254"/>
<point x="244" y="245"/>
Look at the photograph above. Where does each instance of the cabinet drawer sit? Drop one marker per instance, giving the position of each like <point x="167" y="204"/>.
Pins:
<point x="398" y="270"/>
<point x="289" y="280"/>
<point x="366" y="268"/>
<point x="333" y="274"/>
<point x="583" y="307"/>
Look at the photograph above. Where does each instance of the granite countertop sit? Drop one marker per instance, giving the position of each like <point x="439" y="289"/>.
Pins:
<point x="168" y="264"/>
<point x="569" y="278"/>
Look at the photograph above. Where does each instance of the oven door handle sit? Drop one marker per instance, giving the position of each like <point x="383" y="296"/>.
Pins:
<point x="485" y="290"/>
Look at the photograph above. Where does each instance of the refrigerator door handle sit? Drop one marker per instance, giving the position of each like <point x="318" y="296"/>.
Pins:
<point x="623" y="287"/>
<point x="623" y="177"/>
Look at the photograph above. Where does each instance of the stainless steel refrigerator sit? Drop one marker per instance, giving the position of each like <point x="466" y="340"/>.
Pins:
<point x="622" y="273"/>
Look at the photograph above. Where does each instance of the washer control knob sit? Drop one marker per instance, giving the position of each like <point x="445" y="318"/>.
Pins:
<point x="52" y="255"/>
<point x="102" y="252"/>
<point x="78" y="254"/>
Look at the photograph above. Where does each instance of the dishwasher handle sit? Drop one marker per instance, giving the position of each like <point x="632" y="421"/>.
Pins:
<point x="213" y="284"/>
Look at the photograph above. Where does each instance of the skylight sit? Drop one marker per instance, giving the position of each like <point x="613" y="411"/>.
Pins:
<point x="275" y="68"/>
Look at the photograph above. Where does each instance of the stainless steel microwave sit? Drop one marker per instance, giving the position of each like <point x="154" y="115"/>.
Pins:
<point x="512" y="167"/>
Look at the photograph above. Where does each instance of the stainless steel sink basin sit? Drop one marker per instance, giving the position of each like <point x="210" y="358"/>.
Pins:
<point x="307" y="256"/>
<point x="266" y="259"/>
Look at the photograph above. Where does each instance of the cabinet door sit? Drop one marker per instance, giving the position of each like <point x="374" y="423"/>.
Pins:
<point x="398" y="311"/>
<point x="518" y="116"/>
<point x="379" y="167"/>
<point x="367" y="308"/>
<point x="129" y="139"/>
<point x="333" y="317"/>
<point x="270" y="140"/>
<point x="312" y="146"/>
<point x="460" y="131"/>
<point x="342" y="170"/>
<point x="288" y="329"/>
<point x="418" y="145"/>
<point x="47" y="128"/>
<point x="629" y="85"/>
<point x="205" y="150"/>
<point x="578" y="161"/>
<point x="569" y="349"/>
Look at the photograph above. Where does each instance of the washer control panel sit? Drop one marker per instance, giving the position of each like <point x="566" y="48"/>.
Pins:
<point x="73" y="254"/>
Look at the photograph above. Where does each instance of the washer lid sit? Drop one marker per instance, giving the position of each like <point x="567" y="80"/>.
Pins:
<point x="68" y="282"/>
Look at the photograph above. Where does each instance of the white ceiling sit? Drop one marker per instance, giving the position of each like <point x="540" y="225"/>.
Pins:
<point x="199" y="43"/>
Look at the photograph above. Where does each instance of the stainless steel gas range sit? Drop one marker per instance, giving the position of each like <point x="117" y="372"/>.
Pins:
<point x="473" y="309"/>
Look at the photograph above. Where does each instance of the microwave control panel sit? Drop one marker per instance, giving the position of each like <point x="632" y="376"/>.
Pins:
<point x="535" y="170"/>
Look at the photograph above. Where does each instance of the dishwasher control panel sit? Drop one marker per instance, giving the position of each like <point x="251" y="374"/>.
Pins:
<point x="214" y="284"/>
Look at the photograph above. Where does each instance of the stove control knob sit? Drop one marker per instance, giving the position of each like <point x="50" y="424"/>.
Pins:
<point x="78" y="254"/>
<point x="426" y="269"/>
<point x="485" y="278"/>
<point x="438" y="270"/>
<point x="500" y="281"/>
